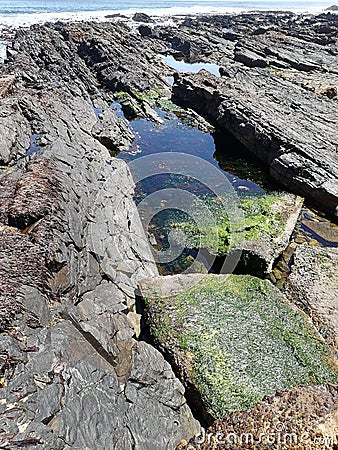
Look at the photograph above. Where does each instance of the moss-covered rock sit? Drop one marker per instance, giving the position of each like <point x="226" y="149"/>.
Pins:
<point x="267" y="225"/>
<point x="234" y="339"/>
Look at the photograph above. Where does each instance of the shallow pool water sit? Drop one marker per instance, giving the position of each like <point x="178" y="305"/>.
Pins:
<point x="34" y="147"/>
<point x="185" y="67"/>
<point x="175" y="136"/>
<point x="162" y="195"/>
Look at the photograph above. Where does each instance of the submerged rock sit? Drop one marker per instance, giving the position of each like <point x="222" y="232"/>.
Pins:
<point x="233" y="339"/>
<point x="260" y="235"/>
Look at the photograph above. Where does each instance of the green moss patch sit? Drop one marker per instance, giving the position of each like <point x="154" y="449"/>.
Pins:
<point x="236" y="339"/>
<point x="262" y="220"/>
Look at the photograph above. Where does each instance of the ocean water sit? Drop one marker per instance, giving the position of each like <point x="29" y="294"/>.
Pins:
<point x="26" y="12"/>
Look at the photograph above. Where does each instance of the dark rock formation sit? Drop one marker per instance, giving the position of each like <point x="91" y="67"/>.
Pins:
<point x="72" y="253"/>
<point x="332" y="8"/>
<point x="142" y="17"/>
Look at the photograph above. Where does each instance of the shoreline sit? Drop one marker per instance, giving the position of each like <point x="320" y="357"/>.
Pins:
<point x="164" y="14"/>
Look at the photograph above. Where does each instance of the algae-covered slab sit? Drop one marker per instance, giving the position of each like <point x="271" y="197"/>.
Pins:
<point x="314" y="280"/>
<point x="268" y="222"/>
<point x="234" y="339"/>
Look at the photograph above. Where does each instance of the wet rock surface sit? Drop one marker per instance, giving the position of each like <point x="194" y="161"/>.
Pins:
<point x="73" y="251"/>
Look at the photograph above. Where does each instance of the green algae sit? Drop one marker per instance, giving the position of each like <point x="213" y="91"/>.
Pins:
<point x="238" y="340"/>
<point x="262" y="218"/>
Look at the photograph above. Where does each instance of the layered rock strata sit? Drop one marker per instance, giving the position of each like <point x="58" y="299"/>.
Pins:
<point x="73" y="251"/>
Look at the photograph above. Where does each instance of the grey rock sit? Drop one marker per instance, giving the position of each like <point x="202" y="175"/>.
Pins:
<point x="35" y="306"/>
<point x="73" y="251"/>
<point x="142" y="17"/>
<point x="112" y="132"/>
<point x="314" y="281"/>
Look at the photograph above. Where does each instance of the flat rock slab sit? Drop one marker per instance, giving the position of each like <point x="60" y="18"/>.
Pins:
<point x="314" y="276"/>
<point x="305" y="417"/>
<point x="233" y="339"/>
<point x="66" y="395"/>
<point x="267" y="238"/>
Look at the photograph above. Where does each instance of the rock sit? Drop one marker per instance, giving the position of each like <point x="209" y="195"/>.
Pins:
<point x="180" y="45"/>
<point x="261" y="235"/>
<point x="332" y="8"/>
<point x="189" y="22"/>
<point x="324" y="230"/>
<point x="233" y="339"/>
<point x="314" y="281"/>
<point x="15" y="132"/>
<point x="301" y="417"/>
<point x="72" y="393"/>
<point x="249" y="58"/>
<point x="73" y="251"/>
<point x="145" y="30"/>
<point x="113" y="132"/>
<point x="142" y="17"/>
<point x="265" y="242"/>
<point x="5" y="84"/>
<point x="329" y="91"/>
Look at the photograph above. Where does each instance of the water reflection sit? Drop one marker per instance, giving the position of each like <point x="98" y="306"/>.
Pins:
<point x="182" y="66"/>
